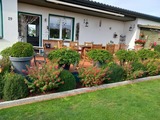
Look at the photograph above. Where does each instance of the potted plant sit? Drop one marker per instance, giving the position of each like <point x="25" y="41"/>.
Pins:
<point x="99" y="56"/>
<point x="20" y="56"/>
<point x="64" y="57"/>
<point x="140" y="42"/>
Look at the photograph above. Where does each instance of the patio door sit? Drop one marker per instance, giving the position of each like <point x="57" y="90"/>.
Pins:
<point x="30" y="28"/>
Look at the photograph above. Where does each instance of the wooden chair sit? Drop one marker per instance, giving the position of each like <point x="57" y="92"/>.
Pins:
<point x="123" y="46"/>
<point x="74" y="45"/>
<point x="96" y="46"/>
<point x="88" y="43"/>
<point x="40" y="57"/>
<point x="110" y="48"/>
<point x="116" y="48"/>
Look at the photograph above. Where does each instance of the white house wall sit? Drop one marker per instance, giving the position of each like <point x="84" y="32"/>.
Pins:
<point x="92" y="33"/>
<point x="10" y="24"/>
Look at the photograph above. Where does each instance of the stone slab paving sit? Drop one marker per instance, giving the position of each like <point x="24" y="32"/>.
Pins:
<point x="34" y="99"/>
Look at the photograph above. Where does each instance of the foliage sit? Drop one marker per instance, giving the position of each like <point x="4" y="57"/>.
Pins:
<point x="68" y="79"/>
<point x="45" y="78"/>
<point x="137" y="66"/>
<point x="132" y="72"/>
<point x="152" y="66"/>
<point x="116" y="73"/>
<point x="157" y="48"/>
<point x="5" y="64"/>
<point x="121" y="55"/>
<point x="131" y="56"/>
<point x="15" y="87"/>
<point x="21" y="49"/>
<point x="1" y="86"/>
<point x="145" y="54"/>
<point x="64" y="56"/>
<point x="137" y="74"/>
<point x="126" y="56"/>
<point x="92" y="76"/>
<point x="100" y="55"/>
<point x="6" y="52"/>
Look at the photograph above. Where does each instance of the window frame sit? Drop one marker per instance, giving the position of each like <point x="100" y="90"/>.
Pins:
<point x="1" y="13"/>
<point x="72" y="27"/>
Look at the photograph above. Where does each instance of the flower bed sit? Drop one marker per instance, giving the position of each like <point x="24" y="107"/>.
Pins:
<point x="51" y="77"/>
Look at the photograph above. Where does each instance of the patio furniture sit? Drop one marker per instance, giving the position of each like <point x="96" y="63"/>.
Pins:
<point x="110" y="48"/>
<point x="39" y="57"/>
<point x="123" y="46"/>
<point x="50" y="45"/>
<point x="96" y="46"/>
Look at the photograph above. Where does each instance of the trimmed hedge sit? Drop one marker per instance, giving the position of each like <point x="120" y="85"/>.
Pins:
<point x="69" y="81"/>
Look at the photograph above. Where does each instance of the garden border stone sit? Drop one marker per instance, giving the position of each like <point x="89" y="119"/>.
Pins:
<point x="74" y="92"/>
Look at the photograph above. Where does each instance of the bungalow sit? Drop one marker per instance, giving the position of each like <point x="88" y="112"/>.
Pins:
<point x="81" y="20"/>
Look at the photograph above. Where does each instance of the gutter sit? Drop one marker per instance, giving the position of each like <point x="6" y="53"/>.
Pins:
<point x="84" y="7"/>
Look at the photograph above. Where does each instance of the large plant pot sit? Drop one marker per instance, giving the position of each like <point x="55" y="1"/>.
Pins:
<point x="20" y="63"/>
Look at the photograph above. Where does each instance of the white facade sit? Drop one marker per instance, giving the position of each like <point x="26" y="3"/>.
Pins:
<point x="93" y="33"/>
<point x="10" y="23"/>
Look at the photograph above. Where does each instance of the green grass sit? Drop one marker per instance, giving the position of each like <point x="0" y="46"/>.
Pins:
<point x="139" y="101"/>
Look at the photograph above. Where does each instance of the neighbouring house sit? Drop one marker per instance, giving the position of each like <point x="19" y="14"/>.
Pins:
<point x="81" y="20"/>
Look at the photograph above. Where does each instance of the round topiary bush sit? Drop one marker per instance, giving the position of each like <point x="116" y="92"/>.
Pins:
<point x="64" y="56"/>
<point x="100" y="55"/>
<point x="69" y="81"/>
<point x="15" y="87"/>
<point x="116" y="73"/>
<point x="21" y="49"/>
<point x="136" y="66"/>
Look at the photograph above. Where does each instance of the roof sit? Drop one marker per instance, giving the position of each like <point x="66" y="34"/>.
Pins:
<point x="106" y="7"/>
<point x="149" y="26"/>
<point x="128" y="14"/>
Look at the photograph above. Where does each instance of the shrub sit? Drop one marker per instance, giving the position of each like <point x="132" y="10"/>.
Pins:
<point x="132" y="72"/>
<point x="44" y="79"/>
<point x="21" y="49"/>
<point x="15" y="87"/>
<point x="157" y="48"/>
<point x="121" y="55"/>
<point x="6" y="52"/>
<point x="92" y="76"/>
<point x="145" y="54"/>
<point x="100" y="55"/>
<point x="1" y="86"/>
<point x="116" y="74"/>
<point x="68" y="79"/>
<point x="152" y="66"/>
<point x="136" y="66"/>
<point x="64" y="56"/>
<point x="5" y="64"/>
<point x="126" y="56"/>
<point x="137" y="74"/>
<point x="131" y="56"/>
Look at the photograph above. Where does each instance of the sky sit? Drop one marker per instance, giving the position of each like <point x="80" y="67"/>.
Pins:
<point x="151" y="7"/>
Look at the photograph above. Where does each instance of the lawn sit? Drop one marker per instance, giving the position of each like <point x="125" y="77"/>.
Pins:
<point x="139" y="101"/>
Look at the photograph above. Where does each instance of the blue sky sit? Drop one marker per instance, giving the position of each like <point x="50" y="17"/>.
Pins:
<point x="151" y="7"/>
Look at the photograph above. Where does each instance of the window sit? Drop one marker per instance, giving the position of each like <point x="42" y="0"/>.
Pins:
<point x="61" y="28"/>
<point x="32" y="30"/>
<point x="1" y="24"/>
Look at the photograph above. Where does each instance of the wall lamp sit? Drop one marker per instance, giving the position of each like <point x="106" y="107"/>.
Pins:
<point x="86" y="22"/>
<point x="131" y="27"/>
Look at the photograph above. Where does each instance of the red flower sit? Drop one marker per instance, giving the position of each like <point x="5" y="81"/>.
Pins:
<point x="140" y="41"/>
